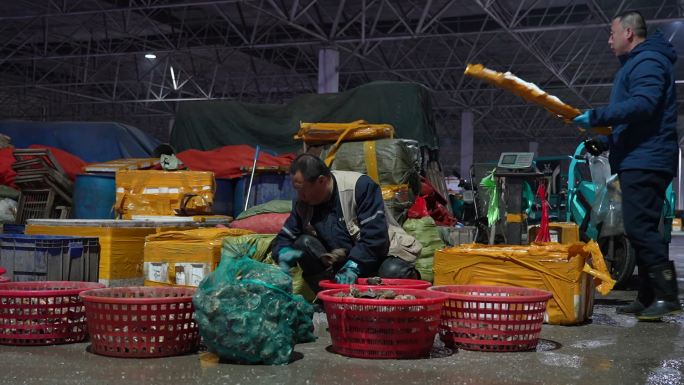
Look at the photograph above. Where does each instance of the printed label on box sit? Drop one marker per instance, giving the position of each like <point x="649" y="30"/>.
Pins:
<point x="191" y="274"/>
<point x="156" y="271"/>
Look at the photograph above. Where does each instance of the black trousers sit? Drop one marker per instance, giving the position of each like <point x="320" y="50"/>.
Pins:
<point x="643" y="196"/>
<point x="314" y="271"/>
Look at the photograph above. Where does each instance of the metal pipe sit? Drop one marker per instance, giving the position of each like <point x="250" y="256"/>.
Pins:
<point x="251" y="179"/>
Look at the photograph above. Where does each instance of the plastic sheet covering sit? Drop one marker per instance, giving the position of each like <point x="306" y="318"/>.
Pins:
<point x="267" y="223"/>
<point x="205" y="125"/>
<point x="274" y="206"/>
<point x="528" y="91"/>
<point x="322" y="133"/>
<point x="394" y="161"/>
<point x="184" y="257"/>
<point x="90" y="141"/>
<point x="247" y="313"/>
<point x="229" y="161"/>
<point x="570" y="272"/>
<point x="398" y="200"/>
<point x="152" y="192"/>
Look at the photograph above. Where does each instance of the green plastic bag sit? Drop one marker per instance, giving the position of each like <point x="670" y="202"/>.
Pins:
<point x="427" y="233"/>
<point x="489" y="184"/>
<point x="424" y="267"/>
<point x="274" y="206"/>
<point x="247" y="313"/>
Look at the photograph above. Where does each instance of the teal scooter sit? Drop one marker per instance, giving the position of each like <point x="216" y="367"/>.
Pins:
<point x="582" y="190"/>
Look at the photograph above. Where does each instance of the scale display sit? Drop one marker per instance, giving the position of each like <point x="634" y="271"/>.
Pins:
<point x="516" y="160"/>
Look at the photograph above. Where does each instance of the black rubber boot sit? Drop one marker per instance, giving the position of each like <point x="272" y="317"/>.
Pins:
<point x="644" y="296"/>
<point x="663" y="279"/>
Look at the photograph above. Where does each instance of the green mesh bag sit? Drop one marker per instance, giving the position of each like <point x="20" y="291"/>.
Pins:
<point x="247" y="313"/>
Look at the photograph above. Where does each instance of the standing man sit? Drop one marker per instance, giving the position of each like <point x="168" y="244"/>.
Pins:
<point x="339" y="228"/>
<point x="643" y="152"/>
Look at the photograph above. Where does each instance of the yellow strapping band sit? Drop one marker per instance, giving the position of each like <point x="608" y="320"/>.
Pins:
<point x="515" y="218"/>
<point x="371" y="160"/>
<point x="333" y="150"/>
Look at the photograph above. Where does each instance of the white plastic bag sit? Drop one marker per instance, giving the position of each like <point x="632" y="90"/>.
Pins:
<point x="8" y="210"/>
<point x="607" y="209"/>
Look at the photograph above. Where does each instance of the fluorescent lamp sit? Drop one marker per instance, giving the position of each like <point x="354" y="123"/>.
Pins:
<point x="150" y="56"/>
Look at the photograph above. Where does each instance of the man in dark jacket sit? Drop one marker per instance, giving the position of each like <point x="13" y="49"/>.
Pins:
<point x="337" y="228"/>
<point x="643" y="152"/>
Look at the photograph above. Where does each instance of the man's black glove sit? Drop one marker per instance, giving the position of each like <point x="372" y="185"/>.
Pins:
<point x="595" y="147"/>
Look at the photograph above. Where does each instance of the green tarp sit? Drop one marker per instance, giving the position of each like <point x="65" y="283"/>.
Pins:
<point x="207" y="125"/>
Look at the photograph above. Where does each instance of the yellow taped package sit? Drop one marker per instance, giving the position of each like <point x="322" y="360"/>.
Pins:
<point x="121" y="164"/>
<point x="400" y="192"/>
<point x="322" y="133"/>
<point x="159" y="193"/>
<point x="121" y="248"/>
<point x="184" y="258"/>
<point x="528" y="91"/>
<point x="563" y="270"/>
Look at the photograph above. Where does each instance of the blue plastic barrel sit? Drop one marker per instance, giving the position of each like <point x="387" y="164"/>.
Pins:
<point x="265" y="188"/>
<point x="224" y="196"/>
<point x="94" y="196"/>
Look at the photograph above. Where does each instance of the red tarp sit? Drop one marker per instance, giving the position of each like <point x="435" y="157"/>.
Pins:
<point x="71" y="164"/>
<point x="267" y="223"/>
<point x="225" y="162"/>
<point x="6" y="161"/>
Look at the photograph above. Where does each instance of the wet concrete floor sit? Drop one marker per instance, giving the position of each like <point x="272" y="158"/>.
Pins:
<point x="612" y="349"/>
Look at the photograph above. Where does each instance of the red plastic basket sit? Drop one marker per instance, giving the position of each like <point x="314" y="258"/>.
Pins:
<point x="43" y="312"/>
<point x="387" y="283"/>
<point x="370" y="328"/>
<point x="141" y="321"/>
<point x="2" y="270"/>
<point x="492" y="318"/>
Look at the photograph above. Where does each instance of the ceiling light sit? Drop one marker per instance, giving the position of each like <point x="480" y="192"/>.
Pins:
<point x="150" y="56"/>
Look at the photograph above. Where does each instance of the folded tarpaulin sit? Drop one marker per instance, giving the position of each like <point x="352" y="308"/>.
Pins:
<point x="71" y="164"/>
<point x="90" y="141"/>
<point x="206" y="125"/>
<point x="226" y="162"/>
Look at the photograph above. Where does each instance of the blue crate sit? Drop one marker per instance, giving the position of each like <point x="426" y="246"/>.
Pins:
<point x="50" y="257"/>
<point x="265" y="188"/>
<point x="12" y="228"/>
